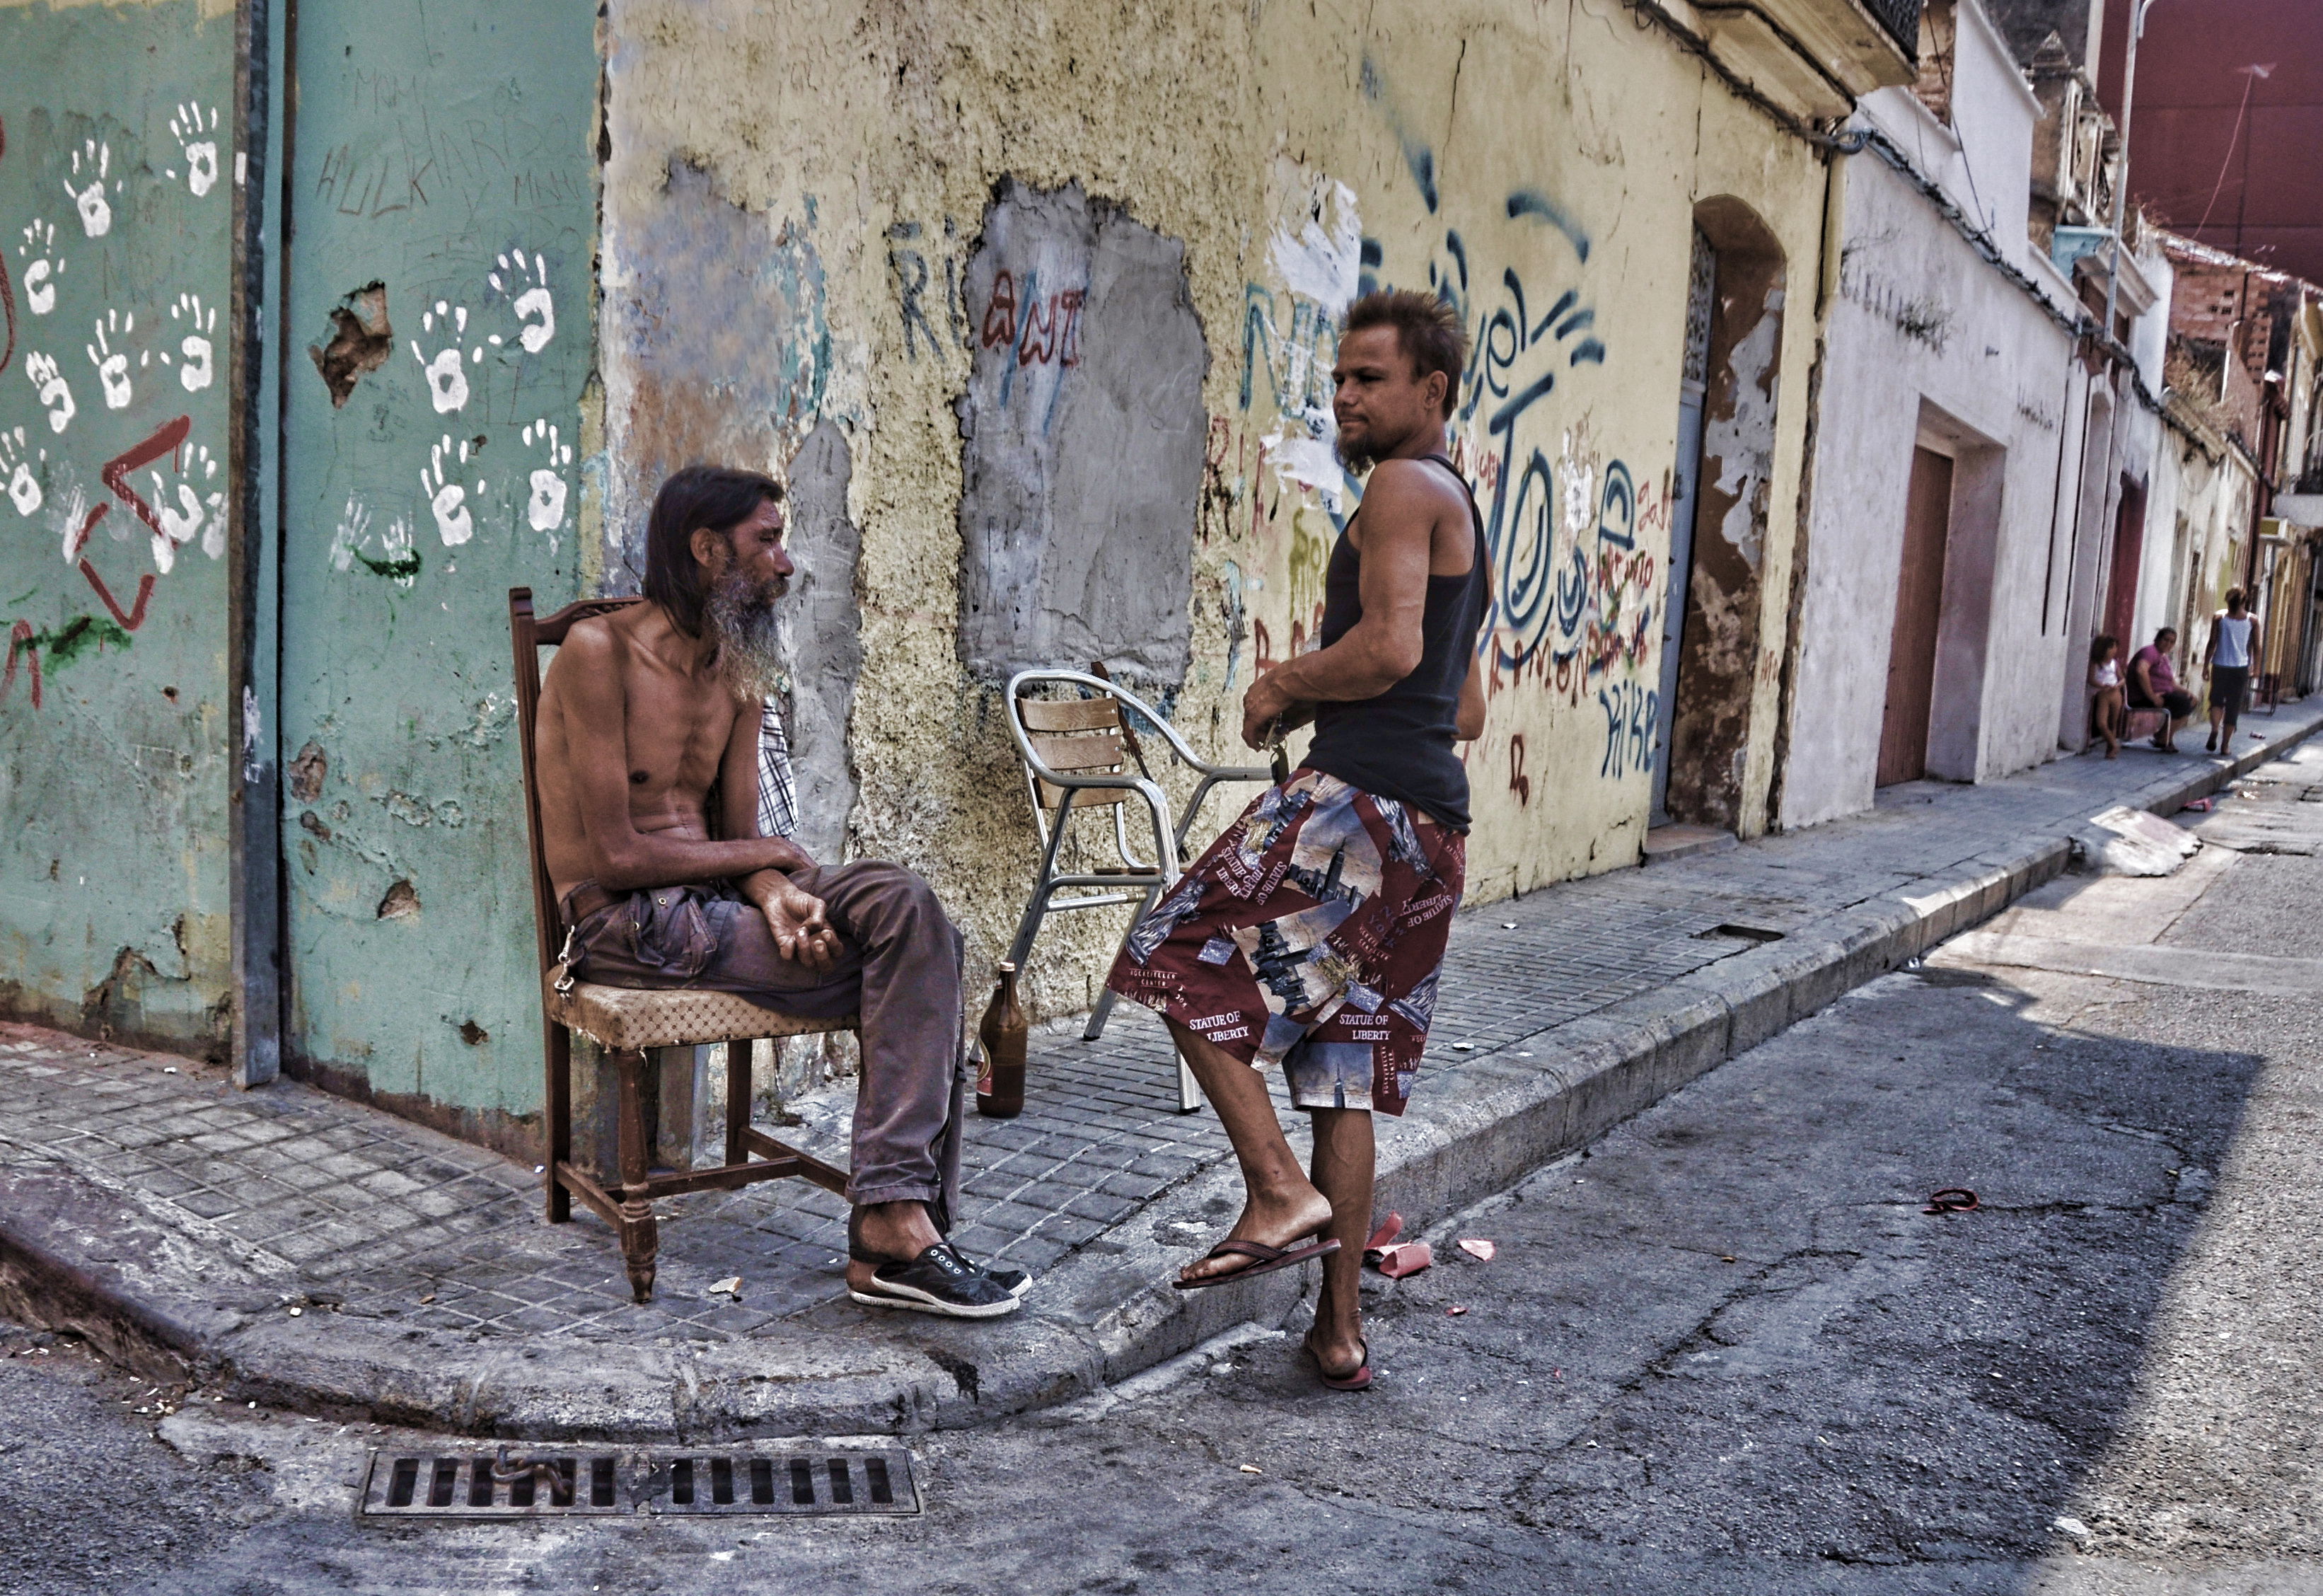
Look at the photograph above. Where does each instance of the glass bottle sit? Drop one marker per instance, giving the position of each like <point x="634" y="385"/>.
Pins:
<point x="1000" y="1083"/>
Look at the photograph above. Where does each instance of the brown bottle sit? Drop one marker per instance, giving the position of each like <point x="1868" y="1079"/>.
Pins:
<point x="1000" y="1084"/>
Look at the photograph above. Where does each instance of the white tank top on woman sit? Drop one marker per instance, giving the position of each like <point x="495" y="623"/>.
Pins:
<point x="2233" y="642"/>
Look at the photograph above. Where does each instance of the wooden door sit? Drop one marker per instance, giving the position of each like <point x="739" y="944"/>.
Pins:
<point x="2128" y="551"/>
<point x="1919" y="607"/>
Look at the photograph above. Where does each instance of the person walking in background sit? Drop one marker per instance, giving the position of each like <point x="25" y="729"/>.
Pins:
<point x="1312" y="932"/>
<point x="2105" y="679"/>
<point x="2228" y="664"/>
<point x="2154" y="685"/>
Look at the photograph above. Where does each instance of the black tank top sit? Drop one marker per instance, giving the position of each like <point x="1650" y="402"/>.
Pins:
<point x="1399" y="745"/>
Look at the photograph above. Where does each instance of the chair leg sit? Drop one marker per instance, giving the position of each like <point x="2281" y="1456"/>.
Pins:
<point x="556" y="1117"/>
<point x="738" y="1055"/>
<point x="1189" y="1092"/>
<point x="640" y="1241"/>
<point x="1103" y="1009"/>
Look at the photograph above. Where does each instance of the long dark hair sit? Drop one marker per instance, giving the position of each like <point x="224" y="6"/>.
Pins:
<point x="2100" y="645"/>
<point x="713" y="496"/>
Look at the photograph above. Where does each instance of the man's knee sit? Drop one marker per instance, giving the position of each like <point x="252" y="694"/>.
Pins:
<point x="902" y="895"/>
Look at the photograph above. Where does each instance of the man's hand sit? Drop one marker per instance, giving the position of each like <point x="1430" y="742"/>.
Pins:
<point x="1266" y="704"/>
<point x="802" y="933"/>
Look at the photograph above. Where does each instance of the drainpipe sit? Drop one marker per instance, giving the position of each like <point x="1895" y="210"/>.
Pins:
<point x="254" y="544"/>
<point x="2121" y="177"/>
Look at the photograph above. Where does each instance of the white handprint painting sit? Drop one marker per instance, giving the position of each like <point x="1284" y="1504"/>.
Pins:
<point x="454" y="523"/>
<point x="17" y="459"/>
<point x="198" y="140"/>
<point x="113" y="364"/>
<point x="200" y="507"/>
<point x="446" y="370"/>
<point x="526" y="284"/>
<point x="396" y="559"/>
<point x="545" y="509"/>
<point x="197" y="372"/>
<point x="39" y="270"/>
<point x="90" y="165"/>
<point x="56" y="393"/>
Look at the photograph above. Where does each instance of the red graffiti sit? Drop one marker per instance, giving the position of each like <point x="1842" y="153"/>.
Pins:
<point x="1049" y="332"/>
<point x="7" y="354"/>
<point x="165" y="440"/>
<point x="1000" y="314"/>
<point x="135" y="618"/>
<point x="1518" y="782"/>
<point x="20" y="637"/>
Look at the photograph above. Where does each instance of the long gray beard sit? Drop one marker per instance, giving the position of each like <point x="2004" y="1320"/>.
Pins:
<point x="741" y="616"/>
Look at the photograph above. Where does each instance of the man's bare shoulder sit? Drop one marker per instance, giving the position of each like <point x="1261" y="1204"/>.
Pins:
<point x="1412" y="486"/>
<point x="588" y="663"/>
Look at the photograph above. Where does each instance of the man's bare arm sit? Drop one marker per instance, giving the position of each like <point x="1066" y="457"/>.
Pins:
<point x="802" y="930"/>
<point x="1385" y="645"/>
<point x="1470" y="724"/>
<point x="586" y="678"/>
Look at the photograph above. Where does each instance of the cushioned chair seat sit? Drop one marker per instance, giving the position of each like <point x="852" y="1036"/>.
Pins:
<point x="627" y="1017"/>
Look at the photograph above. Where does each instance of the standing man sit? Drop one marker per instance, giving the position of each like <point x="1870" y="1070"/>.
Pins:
<point x="644" y="712"/>
<point x="1312" y="932"/>
<point x="2154" y="685"/>
<point x="2227" y="663"/>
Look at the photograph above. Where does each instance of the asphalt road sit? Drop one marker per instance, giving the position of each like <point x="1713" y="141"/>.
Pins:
<point x="1725" y="1351"/>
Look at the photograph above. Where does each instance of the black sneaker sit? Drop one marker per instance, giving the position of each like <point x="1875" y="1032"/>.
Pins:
<point x="1015" y="1282"/>
<point x="938" y="1281"/>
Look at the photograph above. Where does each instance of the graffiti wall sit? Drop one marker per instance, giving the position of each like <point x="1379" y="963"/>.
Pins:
<point x="442" y="209"/>
<point x="959" y="181"/>
<point x="117" y="169"/>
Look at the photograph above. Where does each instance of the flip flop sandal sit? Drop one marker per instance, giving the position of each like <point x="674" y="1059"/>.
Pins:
<point x="1264" y="1261"/>
<point x="1359" y="1380"/>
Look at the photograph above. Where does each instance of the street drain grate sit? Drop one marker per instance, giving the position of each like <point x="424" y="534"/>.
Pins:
<point x="588" y="1481"/>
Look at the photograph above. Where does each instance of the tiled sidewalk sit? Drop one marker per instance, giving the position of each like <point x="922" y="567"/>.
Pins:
<point x="418" y="1264"/>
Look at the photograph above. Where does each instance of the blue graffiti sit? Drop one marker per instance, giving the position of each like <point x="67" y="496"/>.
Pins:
<point x="1416" y="155"/>
<point x="1632" y="727"/>
<point x="1298" y="363"/>
<point x="1531" y="202"/>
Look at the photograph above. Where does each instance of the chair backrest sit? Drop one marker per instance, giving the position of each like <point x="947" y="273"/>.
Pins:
<point x="528" y="636"/>
<point x="1075" y="737"/>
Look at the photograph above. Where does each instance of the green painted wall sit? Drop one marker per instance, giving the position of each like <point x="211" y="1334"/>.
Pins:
<point x="116" y="202"/>
<point x="445" y="153"/>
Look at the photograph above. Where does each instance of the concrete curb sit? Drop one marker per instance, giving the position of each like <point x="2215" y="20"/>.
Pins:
<point x="75" y="1255"/>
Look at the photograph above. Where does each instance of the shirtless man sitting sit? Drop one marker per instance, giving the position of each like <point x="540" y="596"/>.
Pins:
<point x="643" y="712"/>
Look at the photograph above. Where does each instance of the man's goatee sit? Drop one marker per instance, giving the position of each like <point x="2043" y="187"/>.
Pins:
<point x="741" y="616"/>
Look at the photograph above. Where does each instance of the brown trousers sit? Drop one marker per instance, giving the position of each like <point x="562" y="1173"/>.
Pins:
<point x="899" y="969"/>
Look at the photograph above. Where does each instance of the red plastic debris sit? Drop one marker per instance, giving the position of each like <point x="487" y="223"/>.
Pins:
<point x="1477" y="1248"/>
<point x="1407" y="1259"/>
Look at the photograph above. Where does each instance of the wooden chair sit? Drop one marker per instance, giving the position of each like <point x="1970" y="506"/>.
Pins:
<point x="1078" y="752"/>
<point x="627" y="1022"/>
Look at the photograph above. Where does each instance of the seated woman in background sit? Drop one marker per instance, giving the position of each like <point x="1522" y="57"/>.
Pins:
<point x="2108" y="709"/>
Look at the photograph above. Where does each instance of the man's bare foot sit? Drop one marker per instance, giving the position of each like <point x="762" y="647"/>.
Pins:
<point x="1273" y="1219"/>
<point x="894" y="1232"/>
<point x="1338" y="1353"/>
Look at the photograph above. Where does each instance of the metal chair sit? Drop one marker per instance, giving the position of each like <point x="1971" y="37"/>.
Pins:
<point x="1077" y="754"/>
<point x="627" y="1022"/>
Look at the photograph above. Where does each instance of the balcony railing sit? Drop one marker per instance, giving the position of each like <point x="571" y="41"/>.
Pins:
<point x="1901" y="18"/>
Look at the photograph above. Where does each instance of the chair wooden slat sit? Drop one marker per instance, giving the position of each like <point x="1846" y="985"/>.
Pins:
<point x="1077" y="753"/>
<point x="1084" y="798"/>
<point x="1069" y="714"/>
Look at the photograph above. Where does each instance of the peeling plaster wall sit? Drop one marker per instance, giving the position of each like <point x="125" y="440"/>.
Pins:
<point x="116" y="168"/>
<point x="1081" y="429"/>
<point x="1540" y="167"/>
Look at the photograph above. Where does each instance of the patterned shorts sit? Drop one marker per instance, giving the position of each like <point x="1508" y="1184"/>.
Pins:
<point x="1311" y="934"/>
